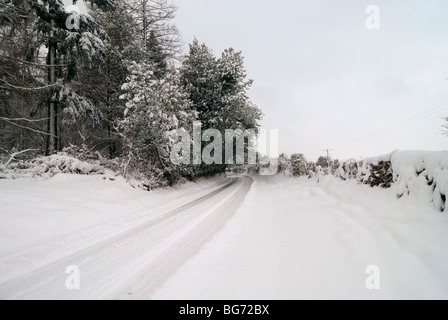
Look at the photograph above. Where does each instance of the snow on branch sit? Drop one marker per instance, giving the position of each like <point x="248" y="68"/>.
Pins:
<point x="13" y="155"/>
<point x="78" y="107"/>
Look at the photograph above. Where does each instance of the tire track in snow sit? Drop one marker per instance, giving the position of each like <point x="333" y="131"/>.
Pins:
<point x="133" y="263"/>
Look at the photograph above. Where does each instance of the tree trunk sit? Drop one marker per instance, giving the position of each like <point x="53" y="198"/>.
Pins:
<point x="145" y="25"/>
<point x="52" y="106"/>
<point x="112" y="146"/>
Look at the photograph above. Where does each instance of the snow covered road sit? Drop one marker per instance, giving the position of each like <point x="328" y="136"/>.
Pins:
<point x="132" y="262"/>
<point x="238" y="238"/>
<point x="299" y="239"/>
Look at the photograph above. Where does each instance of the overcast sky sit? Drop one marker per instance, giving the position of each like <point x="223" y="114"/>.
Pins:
<point x="326" y="81"/>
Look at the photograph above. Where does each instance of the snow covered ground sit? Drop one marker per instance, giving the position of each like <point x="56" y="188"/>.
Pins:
<point x="35" y="211"/>
<point x="296" y="239"/>
<point x="112" y="233"/>
<point x="243" y="238"/>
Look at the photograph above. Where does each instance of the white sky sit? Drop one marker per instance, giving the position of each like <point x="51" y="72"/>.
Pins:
<point x="326" y="81"/>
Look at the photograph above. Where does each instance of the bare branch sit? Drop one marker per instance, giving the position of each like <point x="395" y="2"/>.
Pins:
<point x="30" y="89"/>
<point x="4" y="150"/>
<point x="23" y="119"/>
<point x="33" y="64"/>
<point x="27" y="128"/>
<point x="15" y="154"/>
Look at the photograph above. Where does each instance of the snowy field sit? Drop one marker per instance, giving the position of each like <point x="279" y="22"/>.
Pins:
<point x="243" y="238"/>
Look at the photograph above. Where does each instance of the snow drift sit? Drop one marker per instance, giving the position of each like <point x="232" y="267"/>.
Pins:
<point x="48" y="167"/>
<point x="419" y="174"/>
<point x="410" y="173"/>
<point x="423" y="173"/>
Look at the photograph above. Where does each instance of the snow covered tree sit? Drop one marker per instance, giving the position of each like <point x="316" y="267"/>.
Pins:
<point x="19" y="78"/>
<point x="104" y="84"/>
<point x="299" y="165"/>
<point x="199" y="78"/>
<point x="378" y="174"/>
<point x="153" y="23"/>
<point x="154" y="107"/>
<point x="350" y="169"/>
<point x="115" y="67"/>
<point x="284" y="163"/>
<point x="64" y="47"/>
<point x="134" y="29"/>
<point x="156" y="56"/>
<point x="236" y="110"/>
<point x="335" y="165"/>
<point x="218" y="89"/>
<point x="68" y="45"/>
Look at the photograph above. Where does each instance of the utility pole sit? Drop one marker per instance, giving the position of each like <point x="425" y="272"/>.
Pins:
<point x="328" y="153"/>
<point x="330" y="165"/>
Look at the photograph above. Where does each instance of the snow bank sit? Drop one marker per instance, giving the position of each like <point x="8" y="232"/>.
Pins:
<point x="420" y="174"/>
<point x="424" y="173"/>
<point x="48" y="167"/>
<point x="377" y="171"/>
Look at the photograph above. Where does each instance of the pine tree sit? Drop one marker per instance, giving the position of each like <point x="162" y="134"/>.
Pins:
<point x="237" y="111"/>
<point x="19" y="78"/>
<point x="133" y="32"/>
<point x="156" y="56"/>
<point x="105" y="84"/>
<point x="154" y="108"/>
<point x="199" y="78"/>
<point x="66" y="47"/>
<point x="218" y="89"/>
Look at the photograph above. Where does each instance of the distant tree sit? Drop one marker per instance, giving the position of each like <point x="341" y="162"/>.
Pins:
<point x="284" y="163"/>
<point x="323" y="162"/>
<point x="299" y="165"/>
<point x="334" y="165"/>
<point x="445" y="126"/>
<point x="351" y="168"/>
